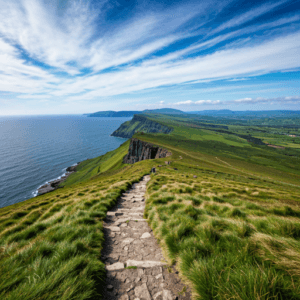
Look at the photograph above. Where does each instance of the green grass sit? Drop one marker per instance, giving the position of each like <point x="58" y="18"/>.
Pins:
<point x="50" y="246"/>
<point x="233" y="230"/>
<point x="224" y="248"/>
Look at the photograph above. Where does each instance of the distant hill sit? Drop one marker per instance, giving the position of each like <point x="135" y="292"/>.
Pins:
<point x="170" y="111"/>
<point x="128" y="113"/>
<point x="248" y="113"/>
<point x="114" y="114"/>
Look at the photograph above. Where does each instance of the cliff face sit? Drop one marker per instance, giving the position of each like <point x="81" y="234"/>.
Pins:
<point x="142" y="124"/>
<point x="139" y="150"/>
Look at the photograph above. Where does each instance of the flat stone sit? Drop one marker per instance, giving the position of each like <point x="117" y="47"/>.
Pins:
<point x="167" y="295"/>
<point x="159" y="276"/>
<point x="135" y="214"/>
<point x="146" y="235"/>
<point x="113" y="228"/>
<point x="144" y="263"/>
<point x="157" y="295"/>
<point x="128" y="241"/>
<point x="110" y="287"/>
<point x="121" y="221"/>
<point x="110" y="213"/>
<point x="124" y="297"/>
<point x="142" y="292"/>
<point x="115" y="266"/>
<point x="123" y="225"/>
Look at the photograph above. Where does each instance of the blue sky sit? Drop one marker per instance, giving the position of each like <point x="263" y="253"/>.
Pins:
<point x="60" y="57"/>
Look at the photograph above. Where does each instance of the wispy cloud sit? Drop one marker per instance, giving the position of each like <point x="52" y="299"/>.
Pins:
<point x="75" y="52"/>
<point x="248" y="101"/>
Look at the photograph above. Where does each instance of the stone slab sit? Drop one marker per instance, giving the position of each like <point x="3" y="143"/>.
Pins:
<point x="146" y="235"/>
<point x="115" y="266"/>
<point x="144" y="263"/>
<point x="142" y="292"/>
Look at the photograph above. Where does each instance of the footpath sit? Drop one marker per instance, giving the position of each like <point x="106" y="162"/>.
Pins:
<point x="134" y="262"/>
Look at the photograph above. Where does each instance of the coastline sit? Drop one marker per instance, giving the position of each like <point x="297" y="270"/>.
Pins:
<point x="53" y="184"/>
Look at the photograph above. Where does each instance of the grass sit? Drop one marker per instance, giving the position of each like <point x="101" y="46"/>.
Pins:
<point x="50" y="246"/>
<point x="229" y="216"/>
<point x="224" y="247"/>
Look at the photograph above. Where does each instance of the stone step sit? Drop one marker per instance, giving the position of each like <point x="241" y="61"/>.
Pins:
<point x="144" y="263"/>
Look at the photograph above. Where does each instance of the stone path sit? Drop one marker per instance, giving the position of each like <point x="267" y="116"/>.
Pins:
<point x="134" y="261"/>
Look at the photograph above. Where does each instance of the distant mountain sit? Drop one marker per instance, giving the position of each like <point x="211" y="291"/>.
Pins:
<point x="164" y="111"/>
<point x="114" y="114"/>
<point x="248" y="113"/>
<point x="128" y="113"/>
<point x="213" y="112"/>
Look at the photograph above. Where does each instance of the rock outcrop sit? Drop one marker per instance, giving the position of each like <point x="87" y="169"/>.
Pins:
<point x="140" y="150"/>
<point x="140" y="123"/>
<point x="54" y="184"/>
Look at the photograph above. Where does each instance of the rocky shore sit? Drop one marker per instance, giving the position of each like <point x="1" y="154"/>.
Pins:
<point x="54" y="184"/>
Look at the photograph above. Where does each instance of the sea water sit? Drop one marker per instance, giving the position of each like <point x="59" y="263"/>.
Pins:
<point x="38" y="149"/>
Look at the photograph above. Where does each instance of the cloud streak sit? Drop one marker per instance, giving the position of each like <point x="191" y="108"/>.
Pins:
<point x="248" y="101"/>
<point x="76" y="53"/>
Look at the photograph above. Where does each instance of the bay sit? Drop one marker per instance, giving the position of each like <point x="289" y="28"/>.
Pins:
<point x="37" y="149"/>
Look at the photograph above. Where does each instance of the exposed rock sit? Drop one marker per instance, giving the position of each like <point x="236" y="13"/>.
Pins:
<point x="116" y="266"/>
<point x="128" y="241"/>
<point x="142" y="292"/>
<point x="144" y="263"/>
<point x="167" y="295"/>
<point x="140" y="124"/>
<point x="140" y="150"/>
<point x="110" y="287"/>
<point x="54" y="184"/>
<point x="195" y="176"/>
<point x="71" y="169"/>
<point x="157" y="295"/>
<point x="124" y="297"/>
<point x="113" y="228"/>
<point x="146" y="235"/>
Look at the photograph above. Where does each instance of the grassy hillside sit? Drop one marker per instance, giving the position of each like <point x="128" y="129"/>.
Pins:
<point x="226" y="211"/>
<point x="140" y="123"/>
<point x="50" y="246"/>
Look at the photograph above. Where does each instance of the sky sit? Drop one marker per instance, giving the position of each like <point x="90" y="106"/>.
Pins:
<point x="74" y="57"/>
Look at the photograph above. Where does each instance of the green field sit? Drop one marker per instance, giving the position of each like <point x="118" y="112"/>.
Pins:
<point x="226" y="211"/>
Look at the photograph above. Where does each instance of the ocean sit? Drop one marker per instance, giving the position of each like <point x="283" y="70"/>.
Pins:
<point x="38" y="149"/>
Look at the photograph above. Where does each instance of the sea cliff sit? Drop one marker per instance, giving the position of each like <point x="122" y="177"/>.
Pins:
<point x="140" y="150"/>
<point x="140" y="123"/>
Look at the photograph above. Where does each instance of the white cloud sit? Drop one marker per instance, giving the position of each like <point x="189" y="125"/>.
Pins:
<point x="70" y="40"/>
<point x="248" y="16"/>
<point x="187" y="102"/>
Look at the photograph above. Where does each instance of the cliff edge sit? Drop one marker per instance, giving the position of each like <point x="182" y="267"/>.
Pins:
<point x="140" y="123"/>
<point x="140" y="150"/>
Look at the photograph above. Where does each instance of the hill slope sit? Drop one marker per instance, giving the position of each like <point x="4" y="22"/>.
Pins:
<point x="226" y="210"/>
<point x="140" y="123"/>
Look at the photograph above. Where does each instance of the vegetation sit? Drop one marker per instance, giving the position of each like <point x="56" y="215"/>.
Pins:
<point x="226" y="211"/>
<point x="142" y="124"/>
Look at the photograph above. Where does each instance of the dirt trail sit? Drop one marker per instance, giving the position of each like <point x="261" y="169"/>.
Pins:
<point x="133" y="258"/>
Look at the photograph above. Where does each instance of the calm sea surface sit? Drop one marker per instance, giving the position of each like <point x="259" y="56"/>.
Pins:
<point x="37" y="149"/>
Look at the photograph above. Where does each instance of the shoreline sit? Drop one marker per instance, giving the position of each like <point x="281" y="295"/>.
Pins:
<point x="53" y="185"/>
